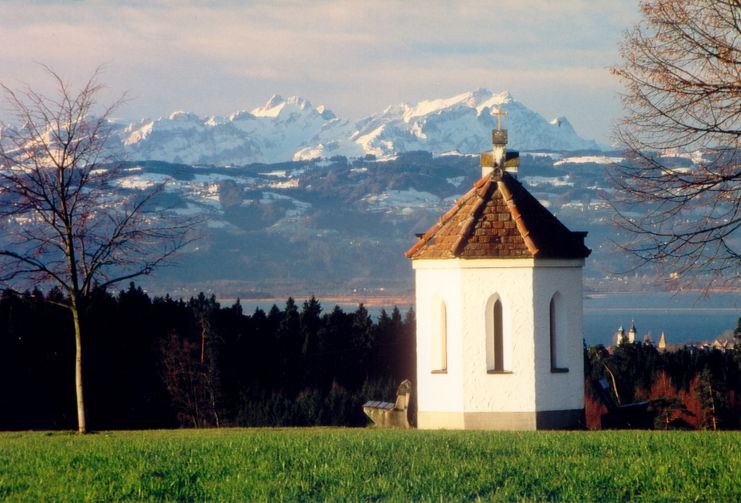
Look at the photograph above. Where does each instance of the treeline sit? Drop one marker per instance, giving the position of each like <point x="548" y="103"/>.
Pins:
<point x="160" y="362"/>
<point x="688" y="388"/>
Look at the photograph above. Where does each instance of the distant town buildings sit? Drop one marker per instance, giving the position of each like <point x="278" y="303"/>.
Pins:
<point x="622" y="338"/>
<point x="632" y="332"/>
<point x="721" y="343"/>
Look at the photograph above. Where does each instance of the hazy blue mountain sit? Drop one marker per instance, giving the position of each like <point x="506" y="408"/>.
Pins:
<point x="341" y="226"/>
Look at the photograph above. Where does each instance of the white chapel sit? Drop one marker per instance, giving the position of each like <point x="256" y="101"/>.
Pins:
<point x="499" y="309"/>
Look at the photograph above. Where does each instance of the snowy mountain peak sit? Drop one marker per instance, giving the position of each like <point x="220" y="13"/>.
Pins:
<point x="481" y="98"/>
<point x="272" y="108"/>
<point x="398" y="110"/>
<point x="214" y="121"/>
<point x="492" y="101"/>
<point x="277" y="104"/>
<point x="290" y="128"/>
<point x="326" y="113"/>
<point x="300" y="103"/>
<point x="241" y="115"/>
<point x="560" y="121"/>
<point x="478" y="99"/>
<point x="181" y="116"/>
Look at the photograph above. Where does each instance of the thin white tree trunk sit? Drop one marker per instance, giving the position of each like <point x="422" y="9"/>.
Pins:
<point x="81" y="420"/>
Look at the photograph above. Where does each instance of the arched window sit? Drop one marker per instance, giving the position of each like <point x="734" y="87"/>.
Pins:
<point x="439" y="342"/>
<point x="497" y="353"/>
<point x="557" y="333"/>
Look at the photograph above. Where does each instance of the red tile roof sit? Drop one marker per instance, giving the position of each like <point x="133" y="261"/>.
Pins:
<point x="499" y="218"/>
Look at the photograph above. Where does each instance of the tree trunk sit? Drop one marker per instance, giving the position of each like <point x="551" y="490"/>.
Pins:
<point x="712" y="405"/>
<point x="81" y="422"/>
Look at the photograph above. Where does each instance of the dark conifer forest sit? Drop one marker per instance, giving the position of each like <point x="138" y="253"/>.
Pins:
<point x="161" y="363"/>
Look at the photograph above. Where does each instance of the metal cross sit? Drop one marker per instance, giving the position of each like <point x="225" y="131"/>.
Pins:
<point x="499" y="114"/>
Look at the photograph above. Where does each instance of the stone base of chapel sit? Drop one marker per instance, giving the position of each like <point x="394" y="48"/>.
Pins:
<point x="536" y="420"/>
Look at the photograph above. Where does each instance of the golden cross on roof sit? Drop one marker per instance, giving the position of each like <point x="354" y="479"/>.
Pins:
<point x="499" y="114"/>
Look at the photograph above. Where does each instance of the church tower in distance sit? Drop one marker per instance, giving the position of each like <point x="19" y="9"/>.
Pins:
<point x="499" y="309"/>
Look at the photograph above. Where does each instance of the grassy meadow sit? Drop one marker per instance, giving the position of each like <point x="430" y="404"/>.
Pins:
<point x="368" y="464"/>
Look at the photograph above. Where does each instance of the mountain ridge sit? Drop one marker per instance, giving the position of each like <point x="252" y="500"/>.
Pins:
<point x="285" y="129"/>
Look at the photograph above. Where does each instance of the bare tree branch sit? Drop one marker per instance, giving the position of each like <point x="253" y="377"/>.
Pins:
<point x="681" y="68"/>
<point x="65" y="219"/>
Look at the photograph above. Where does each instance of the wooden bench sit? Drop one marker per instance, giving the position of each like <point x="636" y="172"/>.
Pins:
<point x="388" y="414"/>
<point x="631" y="415"/>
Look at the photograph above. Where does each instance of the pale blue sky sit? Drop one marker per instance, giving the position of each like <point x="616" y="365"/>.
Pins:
<point x="354" y="57"/>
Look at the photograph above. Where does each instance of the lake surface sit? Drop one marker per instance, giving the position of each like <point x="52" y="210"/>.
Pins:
<point x="685" y="317"/>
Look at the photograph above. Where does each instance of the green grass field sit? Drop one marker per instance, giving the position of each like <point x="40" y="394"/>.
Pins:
<point x="367" y="464"/>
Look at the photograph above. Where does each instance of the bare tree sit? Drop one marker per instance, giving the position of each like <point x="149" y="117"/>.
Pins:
<point x="681" y="67"/>
<point x="66" y="220"/>
<point x="191" y="381"/>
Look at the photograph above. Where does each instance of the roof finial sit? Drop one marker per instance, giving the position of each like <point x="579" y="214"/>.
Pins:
<point x="499" y="135"/>
<point x="499" y="114"/>
<point x="497" y="157"/>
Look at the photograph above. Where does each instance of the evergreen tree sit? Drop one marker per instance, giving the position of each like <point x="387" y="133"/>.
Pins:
<point x="310" y="324"/>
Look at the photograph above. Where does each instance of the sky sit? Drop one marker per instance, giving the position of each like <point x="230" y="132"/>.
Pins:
<point x="355" y="57"/>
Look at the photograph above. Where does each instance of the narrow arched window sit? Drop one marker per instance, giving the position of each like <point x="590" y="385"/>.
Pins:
<point x="497" y="357"/>
<point x="553" y="331"/>
<point x="498" y="337"/>
<point x="557" y="333"/>
<point x="439" y="348"/>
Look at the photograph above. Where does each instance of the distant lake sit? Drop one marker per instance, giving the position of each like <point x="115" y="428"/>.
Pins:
<point x="683" y="317"/>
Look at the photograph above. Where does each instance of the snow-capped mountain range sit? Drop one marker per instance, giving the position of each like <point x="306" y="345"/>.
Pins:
<point x="293" y="129"/>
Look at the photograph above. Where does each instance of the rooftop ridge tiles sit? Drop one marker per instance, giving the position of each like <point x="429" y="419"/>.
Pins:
<point x="511" y="224"/>
<point x="517" y="217"/>
<point x="445" y="217"/>
<point x="470" y="223"/>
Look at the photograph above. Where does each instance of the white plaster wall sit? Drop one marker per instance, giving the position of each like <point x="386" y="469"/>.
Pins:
<point x="437" y="392"/>
<point x="559" y="391"/>
<point x="559" y="347"/>
<point x="466" y="286"/>
<point x="510" y="392"/>
<point x="525" y="288"/>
